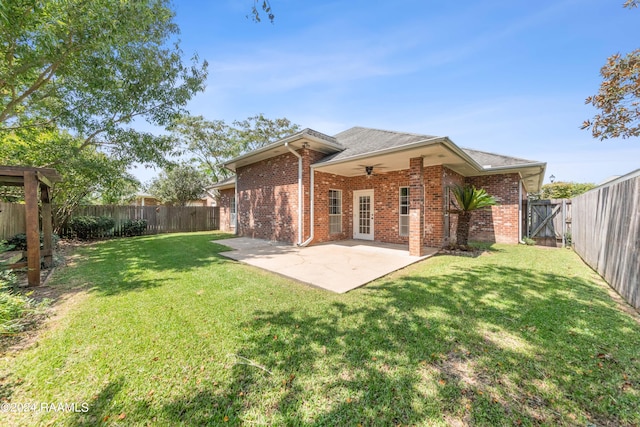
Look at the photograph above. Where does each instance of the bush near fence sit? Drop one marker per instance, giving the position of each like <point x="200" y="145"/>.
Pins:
<point x="159" y="219"/>
<point x="128" y="219"/>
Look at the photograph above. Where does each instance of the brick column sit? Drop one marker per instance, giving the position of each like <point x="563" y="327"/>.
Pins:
<point x="416" y="207"/>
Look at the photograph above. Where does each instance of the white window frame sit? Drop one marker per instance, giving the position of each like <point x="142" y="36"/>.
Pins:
<point x="335" y="215"/>
<point x="402" y="216"/>
<point x="232" y="211"/>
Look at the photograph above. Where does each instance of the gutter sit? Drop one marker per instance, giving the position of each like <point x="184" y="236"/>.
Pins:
<point x="520" y="239"/>
<point x="300" y="205"/>
<point x="235" y="197"/>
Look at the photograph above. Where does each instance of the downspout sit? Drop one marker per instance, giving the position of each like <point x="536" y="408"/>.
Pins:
<point x="520" y="218"/>
<point x="300" y="224"/>
<point x="235" y="197"/>
<point x="311" y="207"/>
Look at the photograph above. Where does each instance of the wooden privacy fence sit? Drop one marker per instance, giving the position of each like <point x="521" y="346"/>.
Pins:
<point x="549" y="221"/>
<point x="606" y="233"/>
<point x="12" y="220"/>
<point x="160" y="219"/>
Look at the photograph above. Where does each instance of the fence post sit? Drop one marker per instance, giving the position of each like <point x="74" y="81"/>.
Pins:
<point x="564" y="222"/>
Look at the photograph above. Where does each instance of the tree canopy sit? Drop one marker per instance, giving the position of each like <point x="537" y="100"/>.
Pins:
<point x="212" y="142"/>
<point x="179" y="185"/>
<point x="93" y="67"/>
<point x="619" y="96"/>
<point x="87" y="172"/>
<point x="564" y="190"/>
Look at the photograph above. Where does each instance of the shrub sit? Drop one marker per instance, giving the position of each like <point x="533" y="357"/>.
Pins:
<point x="134" y="227"/>
<point x="529" y="241"/>
<point x="567" y="238"/>
<point x="19" y="241"/>
<point x="16" y="310"/>
<point x="91" y="227"/>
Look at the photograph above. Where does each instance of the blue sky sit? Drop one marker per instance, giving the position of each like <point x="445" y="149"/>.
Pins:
<point x="501" y="76"/>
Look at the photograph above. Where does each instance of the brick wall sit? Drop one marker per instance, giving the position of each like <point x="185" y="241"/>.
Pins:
<point x="385" y="204"/>
<point x="497" y="223"/>
<point x="268" y="203"/>
<point x="225" y="209"/>
<point x="386" y="197"/>
<point x="323" y="182"/>
<point x="308" y="158"/>
<point x="268" y="199"/>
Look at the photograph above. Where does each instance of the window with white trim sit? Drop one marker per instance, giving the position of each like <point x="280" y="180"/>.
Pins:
<point x="335" y="211"/>
<point x="232" y="211"/>
<point x="404" y="211"/>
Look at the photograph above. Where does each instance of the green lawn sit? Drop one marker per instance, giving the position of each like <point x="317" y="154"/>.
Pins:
<point x="171" y="333"/>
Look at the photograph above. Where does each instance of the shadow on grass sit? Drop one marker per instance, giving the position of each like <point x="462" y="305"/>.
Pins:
<point x="485" y="346"/>
<point x="100" y="406"/>
<point x="139" y="263"/>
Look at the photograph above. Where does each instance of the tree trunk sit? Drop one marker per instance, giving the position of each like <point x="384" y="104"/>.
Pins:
<point x="462" y="232"/>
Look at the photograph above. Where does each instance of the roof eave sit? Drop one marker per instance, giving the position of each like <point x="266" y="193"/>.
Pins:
<point x="400" y="148"/>
<point x="224" y="186"/>
<point x="518" y="169"/>
<point x="288" y="140"/>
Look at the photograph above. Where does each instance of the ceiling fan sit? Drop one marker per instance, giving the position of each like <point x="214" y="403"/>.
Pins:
<point x="369" y="169"/>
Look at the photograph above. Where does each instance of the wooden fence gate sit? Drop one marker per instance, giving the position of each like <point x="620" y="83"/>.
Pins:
<point x="549" y="222"/>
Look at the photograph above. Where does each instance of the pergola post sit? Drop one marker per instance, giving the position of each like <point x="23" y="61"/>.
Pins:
<point x="33" y="227"/>
<point x="31" y="178"/>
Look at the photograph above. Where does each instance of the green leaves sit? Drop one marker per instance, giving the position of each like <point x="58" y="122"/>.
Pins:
<point x="564" y="190"/>
<point x="94" y="67"/>
<point x="618" y="99"/>
<point x="469" y="198"/>
<point x="212" y="142"/>
<point x="179" y="185"/>
<point x="266" y="8"/>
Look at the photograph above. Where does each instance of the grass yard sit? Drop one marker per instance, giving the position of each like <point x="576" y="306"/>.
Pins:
<point x="164" y="331"/>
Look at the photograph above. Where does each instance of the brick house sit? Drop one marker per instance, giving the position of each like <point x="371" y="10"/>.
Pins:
<point x="373" y="185"/>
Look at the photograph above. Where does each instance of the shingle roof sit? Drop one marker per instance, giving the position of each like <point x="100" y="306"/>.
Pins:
<point x="309" y="131"/>
<point x="359" y="140"/>
<point x="492" y="160"/>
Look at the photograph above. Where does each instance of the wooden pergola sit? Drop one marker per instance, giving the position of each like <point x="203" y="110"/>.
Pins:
<point x="32" y="179"/>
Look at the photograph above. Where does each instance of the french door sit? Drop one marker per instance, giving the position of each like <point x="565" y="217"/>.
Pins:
<point x="363" y="209"/>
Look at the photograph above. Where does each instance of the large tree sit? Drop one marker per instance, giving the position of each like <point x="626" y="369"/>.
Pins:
<point x="93" y="67"/>
<point x="619" y="96"/>
<point x="179" y="185"/>
<point x="86" y="171"/>
<point x="212" y="142"/>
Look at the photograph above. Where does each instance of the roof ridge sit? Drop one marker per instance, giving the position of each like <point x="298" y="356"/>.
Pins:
<point x="387" y="131"/>
<point x="317" y="134"/>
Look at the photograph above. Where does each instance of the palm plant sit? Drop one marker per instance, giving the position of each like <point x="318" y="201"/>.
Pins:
<point x="468" y="199"/>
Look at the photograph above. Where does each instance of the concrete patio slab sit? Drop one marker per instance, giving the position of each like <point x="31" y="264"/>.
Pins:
<point x="336" y="266"/>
